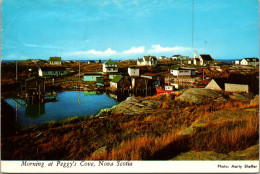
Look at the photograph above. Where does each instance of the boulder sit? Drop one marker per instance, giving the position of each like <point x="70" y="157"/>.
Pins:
<point x="198" y="95"/>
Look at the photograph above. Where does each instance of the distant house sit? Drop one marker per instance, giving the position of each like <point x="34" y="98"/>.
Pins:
<point x="183" y="72"/>
<point x="51" y="71"/>
<point x="235" y="83"/>
<point x="147" y="61"/>
<point x="162" y="58"/>
<point x="91" y="61"/>
<point x="205" y="59"/>
<point x="176" y="57"/>
<point x="110" y="66"/>
<point x="93" y="76"/>
<point x="237" y="62"/>
<point x="98" y="61"/>
<point x="119" y="82"/>
<point x="34" y="84"/>
<point x="133" y="71"/>
<point x="250" y="61"/>
<point x="196" y="61"/>
<point x="55" y="60"/>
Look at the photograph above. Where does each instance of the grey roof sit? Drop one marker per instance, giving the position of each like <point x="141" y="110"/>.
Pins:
<point x="251" y="59"/>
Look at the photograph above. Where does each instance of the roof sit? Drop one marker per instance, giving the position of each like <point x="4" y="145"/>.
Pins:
<point x="92" y="73"/>
<point x="206" y="57"/>
<point x="55" y="58"/>
<point x="251" y="59"/>
<point x="116" y="79"/>
<point x="56" y="68"/>
<point x="109" y="62"/>
<point x="149" y="74"/>
<point x="33" y="78"/>
<point x="177" y="55"/>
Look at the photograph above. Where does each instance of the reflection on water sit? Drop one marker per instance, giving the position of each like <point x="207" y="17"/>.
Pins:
<point x="71" y="103"/>
<point x="34" y="110"/>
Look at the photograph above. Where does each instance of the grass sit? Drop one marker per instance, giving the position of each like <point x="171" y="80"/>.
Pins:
<point x="142" y="136"/>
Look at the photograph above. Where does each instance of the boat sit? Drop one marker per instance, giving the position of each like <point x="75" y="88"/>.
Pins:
<point x="166" y="89"/>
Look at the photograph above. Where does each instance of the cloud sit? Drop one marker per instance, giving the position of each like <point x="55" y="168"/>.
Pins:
<point x="109" y="51"/>
<point x="159" y="49"/>
<point x="134" y="50"/>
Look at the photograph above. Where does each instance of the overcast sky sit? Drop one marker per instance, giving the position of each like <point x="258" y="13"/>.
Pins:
<point x="128" y="29"/>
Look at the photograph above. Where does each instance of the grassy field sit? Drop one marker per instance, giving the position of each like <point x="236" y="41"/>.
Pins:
<point x="174" y="128"/>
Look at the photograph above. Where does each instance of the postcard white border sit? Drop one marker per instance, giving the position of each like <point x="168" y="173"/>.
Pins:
<point x="137" y="167"/>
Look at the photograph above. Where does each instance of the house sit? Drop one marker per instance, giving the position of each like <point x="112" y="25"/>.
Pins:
<point x="162" y="58"/>
<point x="250" y="61"/>
<point x="176" y="57"/>
<point x="51" y="71"/>
<point x="196" y="61"/>
<point x="133" y="71"/>
<point x="120" y="82"/>
<point x="93" y="77"/>
<point x="235" y="83"/>
<point x="183" y="72"/>
<point x="156" y="78"/>
<point x="110" y="66"/>
<point x="34" y="84"/>
<point x="91" y="61"/>
<point x="205" y="59"/>
<point x="147" y="61"/>
<point x="98" y="61"/>
<point x="55" y="60"/>
<point x="237" y="62"/>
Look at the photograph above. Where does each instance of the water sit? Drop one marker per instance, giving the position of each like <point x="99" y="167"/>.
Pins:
<point x="70" y="103"/>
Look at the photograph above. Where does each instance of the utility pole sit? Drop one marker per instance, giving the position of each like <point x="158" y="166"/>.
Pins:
<point x="16" y="77"/>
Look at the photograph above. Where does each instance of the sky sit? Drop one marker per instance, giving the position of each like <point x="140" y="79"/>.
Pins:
<point x="128" y="29"/>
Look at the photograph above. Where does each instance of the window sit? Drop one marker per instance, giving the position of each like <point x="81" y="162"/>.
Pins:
<point x="53" y="72"/>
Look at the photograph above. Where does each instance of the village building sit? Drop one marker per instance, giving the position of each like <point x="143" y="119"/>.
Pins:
<point x="176" y="57"/>
<point x="237" y="62"/>
<point x="162" y="58"/>
<point x="183" y="72"/>
<point x="147" y="61"/>
<point x="34" y="84"/>
<point x="205" y="59"/>
<point x="132" y="71"/>
<point x="196" y="61"/>
<point x="235" y="83"/>
<point x="91" y="62"/>
<point x="51" y="71"/>
<point x="93" y="77"/>
<point x="120" y="82"/>
<point x="110" y="66"/>
<point x="250" y="61"/>
<point x="98" y="61"/>
<point x="156" y="78"/>
<point x="55" y="60"/>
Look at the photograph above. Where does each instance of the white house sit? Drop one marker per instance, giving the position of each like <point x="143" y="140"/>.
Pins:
<point x="110" y="66"/>
<point x="133" y="71"/>
<point x="183" y="72"/>
<point x="147" y="61"/>
<point x="237" y="62"/>
<point x="51" y="71"/>
<point x="250" y="61"/>
<point x="55" y="60"/>
<point x="203" y="59"/>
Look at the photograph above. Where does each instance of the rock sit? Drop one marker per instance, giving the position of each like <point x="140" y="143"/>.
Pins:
<point x="237" y="96"/>
<point x="198" y="95"/>
<point x="101" y="150"/>
<point x="255" y="101"/>
<point x="131" y="105"/>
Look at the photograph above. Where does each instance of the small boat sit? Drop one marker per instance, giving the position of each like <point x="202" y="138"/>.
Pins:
<point x="166" y="89"/>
